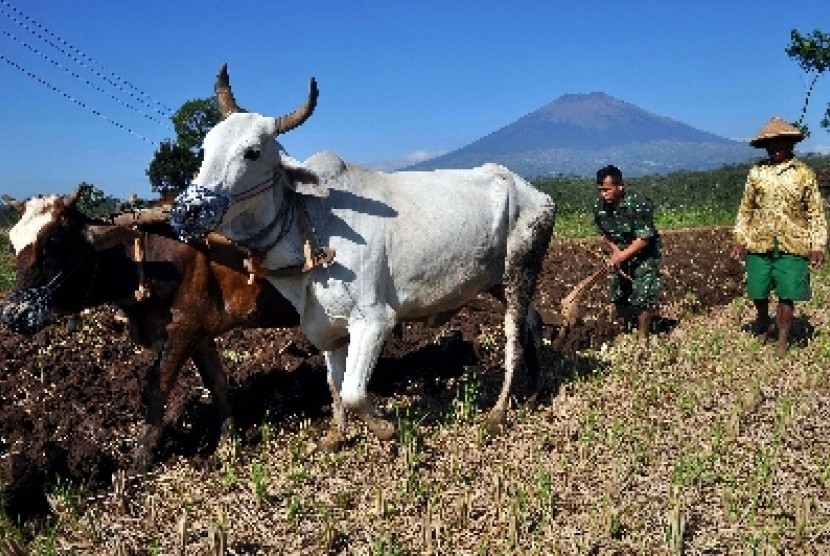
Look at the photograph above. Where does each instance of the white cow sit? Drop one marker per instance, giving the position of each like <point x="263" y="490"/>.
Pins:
<point x="407" y="245"/>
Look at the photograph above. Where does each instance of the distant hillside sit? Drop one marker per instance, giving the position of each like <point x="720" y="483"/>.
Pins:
<point x="578" y="133"/>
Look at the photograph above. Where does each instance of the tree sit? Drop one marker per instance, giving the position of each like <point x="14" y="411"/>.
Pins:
<point x="193" y="120"/>
<point x="812" y="52"/>
<point x="175" y="162"/>
<point x="172" y="168"/>
<point x="94" y="202"/>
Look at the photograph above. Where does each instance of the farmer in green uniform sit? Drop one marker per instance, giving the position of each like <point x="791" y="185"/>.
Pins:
<point x="626" y="223"/>
<point x="781" y="229"/>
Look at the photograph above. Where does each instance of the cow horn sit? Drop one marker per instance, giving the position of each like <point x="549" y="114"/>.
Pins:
<point x="296" y="118"/>
<point x="224" y="95"/>
<point x="16" y="205"/>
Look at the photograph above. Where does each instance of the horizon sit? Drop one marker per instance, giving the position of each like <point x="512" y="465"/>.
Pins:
<point x="398" y="83"/>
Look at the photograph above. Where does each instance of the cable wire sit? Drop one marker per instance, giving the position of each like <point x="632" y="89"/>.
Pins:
<point x="76" y="101"/>
<point x="80" y="78"/>
<point x="83" y="56"/>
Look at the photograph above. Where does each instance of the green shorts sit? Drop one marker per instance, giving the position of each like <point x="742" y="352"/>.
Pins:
<point x="641" y="291"/>
<point x="788" y="274"/>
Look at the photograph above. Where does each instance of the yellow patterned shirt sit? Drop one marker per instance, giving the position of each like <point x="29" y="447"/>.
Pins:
<point x="781" y="201"/>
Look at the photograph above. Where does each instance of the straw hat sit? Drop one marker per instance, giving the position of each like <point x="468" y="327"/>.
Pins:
<point x="776" y="127"/>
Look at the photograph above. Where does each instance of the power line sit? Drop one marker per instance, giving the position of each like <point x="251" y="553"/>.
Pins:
<point x="76" y="101"/>
<point x="78" y="61"/>
<point x="76" y="76"/>
<point x="84" y="56"/>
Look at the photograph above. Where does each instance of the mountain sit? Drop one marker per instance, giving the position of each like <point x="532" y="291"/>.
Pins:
<point x="579" y="133"/>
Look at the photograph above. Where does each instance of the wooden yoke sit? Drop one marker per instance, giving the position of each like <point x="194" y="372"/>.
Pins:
<point x="134" y="219"/>
<point x="142" y="292"/>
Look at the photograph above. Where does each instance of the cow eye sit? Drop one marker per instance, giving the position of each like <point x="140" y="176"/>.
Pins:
<point x="251" y="153"/>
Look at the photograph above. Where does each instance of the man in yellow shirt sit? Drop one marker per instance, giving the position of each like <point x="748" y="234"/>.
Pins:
<point x="781" y="229"/>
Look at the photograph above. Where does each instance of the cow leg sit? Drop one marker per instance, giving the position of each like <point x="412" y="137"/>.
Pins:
<point x="525" y="252"/>
<point x="160" y="382"/>
<point x="514" y="322"/>
<point x="336" y="365"/>
<point x="206" y="358"/>
<point x="151" y="431"/>
<point x="366" y="338"/>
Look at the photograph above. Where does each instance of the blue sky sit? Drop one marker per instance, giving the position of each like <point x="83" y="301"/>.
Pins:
<point x="397" y="79"/>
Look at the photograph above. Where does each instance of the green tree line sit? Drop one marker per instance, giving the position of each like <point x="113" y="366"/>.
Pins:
<point x="682" y="199"/>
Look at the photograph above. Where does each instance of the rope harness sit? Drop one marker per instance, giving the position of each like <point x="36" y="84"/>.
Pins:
<point x="292" y="208"/>
<point x="314" y="254"/>
<point x="133" y="219"/>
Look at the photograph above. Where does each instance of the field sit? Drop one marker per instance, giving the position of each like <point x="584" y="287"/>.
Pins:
<point x="704" y="443"/>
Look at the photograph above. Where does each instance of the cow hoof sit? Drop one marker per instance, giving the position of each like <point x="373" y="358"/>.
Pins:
<point x="227" y="429"/>
<point x="228" y="448"/>
<point x="381" y="428"/>
<point x="332" y="442"/>
<point x="496" y="421"/>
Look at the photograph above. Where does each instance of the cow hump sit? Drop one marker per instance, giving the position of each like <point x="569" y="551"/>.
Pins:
<point x="326" y="165"/>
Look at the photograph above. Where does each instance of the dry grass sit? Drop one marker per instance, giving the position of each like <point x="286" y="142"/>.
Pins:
<point x="706" y="444"/>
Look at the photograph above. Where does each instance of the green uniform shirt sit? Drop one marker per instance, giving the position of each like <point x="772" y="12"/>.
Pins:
<point x="631" y="218"/>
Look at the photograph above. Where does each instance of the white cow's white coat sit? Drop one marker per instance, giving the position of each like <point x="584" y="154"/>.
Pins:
<point x="408" y="244"/>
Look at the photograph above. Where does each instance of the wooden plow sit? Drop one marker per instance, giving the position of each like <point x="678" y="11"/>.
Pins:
<point x="570" y="306"/>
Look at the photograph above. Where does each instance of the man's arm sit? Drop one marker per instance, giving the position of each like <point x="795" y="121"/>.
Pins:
<point x="744" y="217"/>
<point x="610" y="244"/>
<point x="817" y="222"/>
<point x="619" y="256"/>
<point x="643" y="228"/>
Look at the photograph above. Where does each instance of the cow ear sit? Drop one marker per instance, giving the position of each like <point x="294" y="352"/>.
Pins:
<point x="301" y="179"/>
<point x="103" y="237"/>
<point x="306" y="182"/>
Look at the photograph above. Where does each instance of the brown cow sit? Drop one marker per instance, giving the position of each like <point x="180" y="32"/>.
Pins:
<point x="177" y="297"/>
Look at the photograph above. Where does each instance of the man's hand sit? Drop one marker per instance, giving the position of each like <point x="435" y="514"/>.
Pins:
<point x="619" y="256"/>
<point x="738" y="251"/>
<point x="615" y="251"/>
<point x="816" y="259"/>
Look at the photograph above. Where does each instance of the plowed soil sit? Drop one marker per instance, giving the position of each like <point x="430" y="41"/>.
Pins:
<point x="71" y="401"/>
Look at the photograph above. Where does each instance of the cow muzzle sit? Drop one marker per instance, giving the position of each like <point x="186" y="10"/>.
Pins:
<point x="197" y="211"/>
<point x="27" y="311"/>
